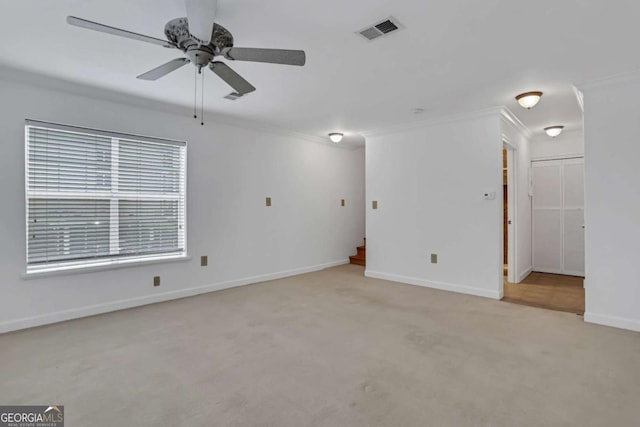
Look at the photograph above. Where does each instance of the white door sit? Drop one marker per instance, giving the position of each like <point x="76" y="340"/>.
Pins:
<point x="547" y="216"/>
<point x="558" y="216"/>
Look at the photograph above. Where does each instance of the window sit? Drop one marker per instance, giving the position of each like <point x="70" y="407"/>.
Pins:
<point x="99" y="198"/>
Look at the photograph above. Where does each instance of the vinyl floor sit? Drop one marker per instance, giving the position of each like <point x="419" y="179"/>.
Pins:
<point x="550" y="291"/>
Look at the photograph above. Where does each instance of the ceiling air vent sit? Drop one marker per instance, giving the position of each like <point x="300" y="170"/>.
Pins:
<point x="380" y="29"/>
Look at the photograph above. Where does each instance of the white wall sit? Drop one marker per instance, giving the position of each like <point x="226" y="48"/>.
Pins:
<point x="567" y="144"/>
<point x="612" y="183"/>
<point x="230" y="172"/>
<point x="429" y="184"/>
<point x="516" y="135"/>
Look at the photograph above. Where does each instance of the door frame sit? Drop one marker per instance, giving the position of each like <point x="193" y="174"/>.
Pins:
<point x="512" y="212"/>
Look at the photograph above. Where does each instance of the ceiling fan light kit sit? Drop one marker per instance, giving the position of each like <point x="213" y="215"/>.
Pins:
<point x="529" y="100"/>
<point x="203" y="43"/>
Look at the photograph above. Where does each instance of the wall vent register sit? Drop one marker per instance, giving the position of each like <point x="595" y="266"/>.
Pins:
<point x="98" y="198"/>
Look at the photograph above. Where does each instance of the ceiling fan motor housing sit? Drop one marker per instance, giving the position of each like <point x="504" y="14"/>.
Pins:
<point x="177" y="32"/>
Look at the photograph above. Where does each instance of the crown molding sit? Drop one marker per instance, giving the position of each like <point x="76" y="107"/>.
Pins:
<point x="434" y="121"/>
<point x="613" y="80"/>
<point x="16" y="75"/>
<point x="509" y="118"/>
<point x="276" y="131"/>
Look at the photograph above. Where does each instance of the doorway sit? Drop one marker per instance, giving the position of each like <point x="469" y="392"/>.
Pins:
<point x="557" y="280"/>
<point x="509" y="211"/>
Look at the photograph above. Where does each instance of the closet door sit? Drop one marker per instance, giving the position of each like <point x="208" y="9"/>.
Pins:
<point x="573" y="189"/>
<point x="558" y="216"/>
<point x="547" y="216"/>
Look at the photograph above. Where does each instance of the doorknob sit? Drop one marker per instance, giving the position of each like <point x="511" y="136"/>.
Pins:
<point x="509" y="222"/>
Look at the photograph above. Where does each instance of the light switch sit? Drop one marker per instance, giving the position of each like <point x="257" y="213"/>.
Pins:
<point x="342" y="202"/>
<point x="374" y="204"/>
<point x="489" y="195"/>
<point x="268" y="201"/>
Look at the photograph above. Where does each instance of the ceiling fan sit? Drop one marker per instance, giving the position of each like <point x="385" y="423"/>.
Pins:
<point x="203" y="41"/>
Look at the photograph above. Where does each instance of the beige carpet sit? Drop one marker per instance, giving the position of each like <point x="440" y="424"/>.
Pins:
<point x="328" y="349"/>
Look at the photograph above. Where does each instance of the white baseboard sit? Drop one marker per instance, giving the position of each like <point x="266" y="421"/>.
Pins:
<point x="76" y="313"/>
<point x="546" y="270"/>
<point x="562" y="273"/>
<point x="435" y="285"/>
<point x="524" y="274"/>
<point x="616" y="322"/>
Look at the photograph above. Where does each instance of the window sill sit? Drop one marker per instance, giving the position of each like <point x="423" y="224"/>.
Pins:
<point x="101" y="267"/>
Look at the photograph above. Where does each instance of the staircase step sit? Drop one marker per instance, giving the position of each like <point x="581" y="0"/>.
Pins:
<point x="361" y="257"/>
<point x="357" y="261"/>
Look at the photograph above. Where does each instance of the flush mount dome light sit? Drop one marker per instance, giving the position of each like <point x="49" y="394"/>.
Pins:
<point x="554" y="131"/>
<point x="529" y="100"/>
<point x="336" y="137"/>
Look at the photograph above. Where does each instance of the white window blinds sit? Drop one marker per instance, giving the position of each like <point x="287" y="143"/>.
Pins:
<point x="96" y="197"/>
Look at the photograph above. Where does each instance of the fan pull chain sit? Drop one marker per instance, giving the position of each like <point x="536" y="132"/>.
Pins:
<point x="202" y="102"/>
<point x="195" y="93"/>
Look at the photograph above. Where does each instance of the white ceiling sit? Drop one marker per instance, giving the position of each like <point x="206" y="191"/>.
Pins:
<point x="452" y="57"/>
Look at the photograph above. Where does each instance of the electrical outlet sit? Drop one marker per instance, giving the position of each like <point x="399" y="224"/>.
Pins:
<point x="434" y="258"/>
<point x="156" y="281"/>
<point x="489" y="195"/>
<point x="268" y="201"/>
<point x="342" y="202"/>
<point x="204" y="261"/>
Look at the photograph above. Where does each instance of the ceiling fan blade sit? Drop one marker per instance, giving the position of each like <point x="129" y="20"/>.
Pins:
<point x="164" y="69"/>
<point x="201" y="15"/>
<point x="233" y="79"/>
<point x="90" y="25"/>
<point x="272" y="56"/>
